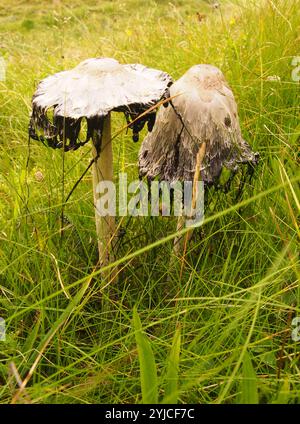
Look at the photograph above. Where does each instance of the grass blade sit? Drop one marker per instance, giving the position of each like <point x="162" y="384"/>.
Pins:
<point x="249" y="393"/>
<point x="284" y="393"/>
<point x="148" y="372"/>
<point x="171" y="389"/>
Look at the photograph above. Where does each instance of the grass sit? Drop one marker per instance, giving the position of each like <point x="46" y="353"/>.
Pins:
<point x="221" y="331"/>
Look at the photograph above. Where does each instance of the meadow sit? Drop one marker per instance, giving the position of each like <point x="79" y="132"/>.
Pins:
<point x="216" y="330"/>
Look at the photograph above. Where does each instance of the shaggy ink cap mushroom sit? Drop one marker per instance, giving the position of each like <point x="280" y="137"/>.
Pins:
<point x="202" y="110"/>
<point x="92" y="90"/>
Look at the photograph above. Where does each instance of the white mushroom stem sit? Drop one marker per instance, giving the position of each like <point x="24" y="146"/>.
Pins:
<point x="103" y="171"/>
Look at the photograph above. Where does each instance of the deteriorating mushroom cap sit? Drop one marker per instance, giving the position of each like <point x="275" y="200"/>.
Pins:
<point x="203" y="109"/>
<point x="92" y="90"/>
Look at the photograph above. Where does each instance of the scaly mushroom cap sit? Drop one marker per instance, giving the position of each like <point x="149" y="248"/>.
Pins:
<point x="203" y="110"/>
<point x="92" y="90"/>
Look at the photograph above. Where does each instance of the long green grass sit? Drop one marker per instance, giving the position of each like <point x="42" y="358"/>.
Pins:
<point x="217" y="330"/>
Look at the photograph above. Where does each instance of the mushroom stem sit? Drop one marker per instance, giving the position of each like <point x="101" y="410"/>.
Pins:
<point x="103" y="171"/>
<point x="178" y="241"/>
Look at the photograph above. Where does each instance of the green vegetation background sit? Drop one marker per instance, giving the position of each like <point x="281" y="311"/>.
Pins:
<point x="217" y="330"/>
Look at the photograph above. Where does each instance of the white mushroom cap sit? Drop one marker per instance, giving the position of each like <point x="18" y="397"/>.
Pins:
<point x="92" y="90"/>
<point x="202" y="109"/>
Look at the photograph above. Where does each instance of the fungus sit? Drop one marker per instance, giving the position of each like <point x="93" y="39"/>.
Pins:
<point x="91" y="91"/>
<point x="198" y="133"/>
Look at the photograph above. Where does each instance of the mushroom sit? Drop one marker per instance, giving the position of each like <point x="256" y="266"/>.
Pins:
<point x="197" y="134"/>
<point x="92" y="90"/>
